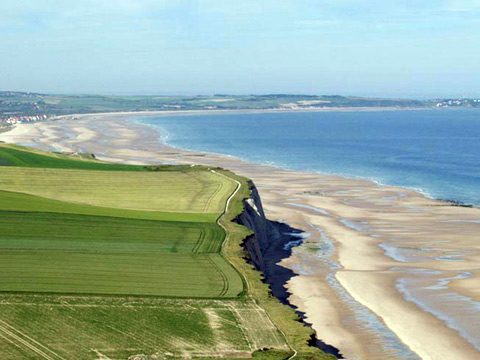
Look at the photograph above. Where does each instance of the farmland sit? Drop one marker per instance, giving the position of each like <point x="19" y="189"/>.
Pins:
<point x="193" y="192"/>
<point x="59" y="235"/>
<point x="110" y="261"/>
<point x="56" y="328"/>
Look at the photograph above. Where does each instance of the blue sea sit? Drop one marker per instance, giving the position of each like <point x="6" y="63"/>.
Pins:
<point x="433" y="151"/>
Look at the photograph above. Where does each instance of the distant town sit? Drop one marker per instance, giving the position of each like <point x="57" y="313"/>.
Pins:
<point x="458" y="103"/>
<point x="12" y="120"/>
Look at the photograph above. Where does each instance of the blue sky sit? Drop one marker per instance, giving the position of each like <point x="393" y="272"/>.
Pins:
<point x="374" y="48"/>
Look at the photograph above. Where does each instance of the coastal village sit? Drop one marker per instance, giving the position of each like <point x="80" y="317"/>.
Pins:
<point x="458" y="102"/>
<point x="12" y="120"/>
<point x="7" y="120"/>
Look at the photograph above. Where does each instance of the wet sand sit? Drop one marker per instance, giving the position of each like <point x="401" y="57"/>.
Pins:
<point x="384" y="273"/>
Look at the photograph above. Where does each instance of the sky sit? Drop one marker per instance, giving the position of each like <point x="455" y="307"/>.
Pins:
<point x="389" y="48"/>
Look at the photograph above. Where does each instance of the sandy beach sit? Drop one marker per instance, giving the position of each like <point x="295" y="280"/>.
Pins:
<point x="383" y="273"/>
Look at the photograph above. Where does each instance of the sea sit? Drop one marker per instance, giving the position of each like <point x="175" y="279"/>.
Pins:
<point x="436" y="152"/>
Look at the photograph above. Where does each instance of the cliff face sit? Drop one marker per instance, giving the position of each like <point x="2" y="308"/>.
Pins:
<point x="269" y="244"/>
<point x="254" y="218"/>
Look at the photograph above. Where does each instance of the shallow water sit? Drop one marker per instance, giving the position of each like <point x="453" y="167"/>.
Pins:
<point x="434" y="296"/>
<point x="384" y="341"/>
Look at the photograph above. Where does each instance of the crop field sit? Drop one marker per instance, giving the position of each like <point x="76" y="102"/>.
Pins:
<point x="120" y="328"/>
<point x="46" y="252"/>
<point x="177" y="191"/>
<point x="107" y="261"/>
<point x="60" y="231"/>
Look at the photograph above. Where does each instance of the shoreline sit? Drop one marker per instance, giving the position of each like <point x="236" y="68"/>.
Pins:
<point x="164" y="139"/>
<point x="132" y="116"/>
<point x="423" y="192"/>
<point x="327" y="200"/>
<point x="249" y="111"/>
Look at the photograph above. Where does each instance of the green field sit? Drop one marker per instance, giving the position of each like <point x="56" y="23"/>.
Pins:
<point x="108" y="261"/>
<point x="60" y="231"/>
<point x="22" y="157"/>
<point x="171" y="191"/>
<point x="65" y="253"/>
<point x="118" y="328"/>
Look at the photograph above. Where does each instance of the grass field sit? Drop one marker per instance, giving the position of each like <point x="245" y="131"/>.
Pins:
<point x="106" y="261"/>
<point x="18" y="156"/>
<point x="124" y="231"/>
<point x="14" y="201"/>
<point x="46" y="327"/>
<point x="177" y="191"/>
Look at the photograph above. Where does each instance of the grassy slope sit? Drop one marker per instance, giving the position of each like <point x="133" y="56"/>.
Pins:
<point x="19" y="156"/>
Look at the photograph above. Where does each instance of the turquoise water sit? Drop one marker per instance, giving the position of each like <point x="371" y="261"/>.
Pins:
<point x="434" y="151"/>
